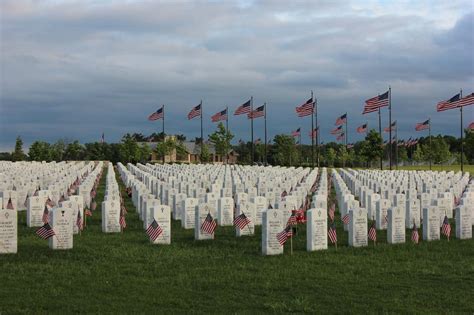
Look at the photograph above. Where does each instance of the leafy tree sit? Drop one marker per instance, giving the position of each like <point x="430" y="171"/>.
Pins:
<point x="18" y="154"/>
<point x="371" y="148"/>
<point x="58" y="150"/>
<point x="181" y="138"/>
<point x="5" y="156"/>
<point x="418" y="155"/>
<point x="469" y="146"/>
<point x="439" y="150"/>
<point x="144" y="153"/>
<point x="284" y="150"/>
<point x="129" y="150"/>
<point x="221" y="139"/>
<point x="205" y="155"/>
<point x="40" y="151"/>
<point x="330" y="156"/>
<point x="165" y="148"/>
<point x="342" y="155"/>
<point x="74" y="151"/>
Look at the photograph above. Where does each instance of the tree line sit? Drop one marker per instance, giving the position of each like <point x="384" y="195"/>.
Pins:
<point x="282" y="150"/>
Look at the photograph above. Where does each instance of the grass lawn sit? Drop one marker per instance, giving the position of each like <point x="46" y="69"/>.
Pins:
<point x="123" y="273"/>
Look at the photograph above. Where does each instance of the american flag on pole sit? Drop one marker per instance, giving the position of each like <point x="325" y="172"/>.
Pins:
<point x="391" y="127"/>
<point x="341" y="120"/>
<point x="314" y="133"/>
<point x="241" y="221"/>
<point x="296" y="133"/>
<point x="45" y="217"/>
<point x="257" y="141"/>
<point x="340" y="137"/>
<point x="10" y="204"/>
<point x="45" y="232"/>
<point x="332" y="212"/>
<point x="350" y="145"/>
<point x="284" y="235"/>
<point x="102" y="139"/>
<point x="306" y="109"/>
<point x="373" y="233"/>
<point x="209" y="225"/>
<point x="256" y="113"/>
<point x="446" y="227"/>
<point x="471" y="126"/>
<point x="157" y="115"/>
<point x="154" y="230"/>
<point x="467" y="100"/>
<point x="222" y="115"/>
<point x="452" y="103"/>
<point x="415" y="237"/>
<point x="195" y="112"/>
<point x="332" y="233"/>
<point x="244" y="108"/>
<point x="373" y="104"/>
<point x="362" y="129"/>
<point x="345" y="219"/>
<point x="79" y="222"/>
<point x="422" y="126"/>
<point x="337" y="130"/>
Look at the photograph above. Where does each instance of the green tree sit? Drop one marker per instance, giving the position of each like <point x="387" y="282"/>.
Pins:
<point x="418" y="155"/>
<point x="144" y="153"/>
<point x="40" y="151"/>
<point x="284" y="150"/>
<point x="205" y="155"/>
<point x="74" y="151"/>
<point x="342" y="155"/>
<point x="469" y="146"/>
<point x="221" y="139"/>
<point x="165" y="148"/>
<point x="372" y="147"/>
<point x="439" y="150"/>
<point x="330" y="156"/>
<point x="58" y="150"/>
<point x="18" y="154"/>
<point x="129" y="150"/>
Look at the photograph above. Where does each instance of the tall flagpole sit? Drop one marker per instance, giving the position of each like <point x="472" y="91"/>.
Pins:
<point x="227" y="131"/>
<point x="347" y="136"/>
<point x="202" y="136"/>
<point x="251" y="130"/>
<point x="390" y="123"/>
<point x="429" y="134"/>
<point x="462" y="137"/>
<point x="312" y="130"/>
<point x="164" y="153"/>
<point x="396" y="146"/>
<point x="265" y="108"/>
<point x="380" y="132"/>
<point x="301" y="147"/>
<point x="317" y="129"/>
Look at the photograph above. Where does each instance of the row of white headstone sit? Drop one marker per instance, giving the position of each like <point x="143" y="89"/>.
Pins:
<point x="189" y="193"/>
<point x="62" y="213"/>
<point x="398" y="200"/>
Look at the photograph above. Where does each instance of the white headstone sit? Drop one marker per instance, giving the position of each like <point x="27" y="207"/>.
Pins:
<point x="8" y="231"/>
<point x="162" y="215"/>
<point x="62" y="222"/>
<point x="189" y="213"/>
<point x="272" y="224"/>
<point x="225" y="210"/>
<point x="316" y="229"/>
<point x="396" y="225"/>
<point x="358" y="228"/>
<point x="431" y="223"/>
<point x="463" y="222"/>
<point x="201" y="213"/>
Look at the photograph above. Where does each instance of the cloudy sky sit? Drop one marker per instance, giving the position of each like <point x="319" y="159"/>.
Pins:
<point x="75" y="69"/>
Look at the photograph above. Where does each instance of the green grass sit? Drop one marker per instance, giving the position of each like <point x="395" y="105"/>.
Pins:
<point x="123" y="273"/>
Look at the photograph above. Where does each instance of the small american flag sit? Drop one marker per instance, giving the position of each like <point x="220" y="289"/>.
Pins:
<point x="453" y="102"/>
<point x="337" y="130"/>
<point x="45" y="232"/>
<point x="88" y="213"/>
<point x="26" y="200"/>
<point x="306" y="109"/>
<point x="244" y="108"/>
<point x="45" y="217"/>
<point x="79" y="221"/>
<point x="415" y="237"/>
<point x="446" y="227"/>
<point x="391" y="127"/>
<point x="62" y="198"/>
<point x="284" y="194"/>
<point x="49" y="202"/>
<point x="292" y="220"/>
<point x="283" y="236"/>
<point x="93" y="205"/>
<point x="422" y="126"/>
<point x="256" y="113"/>
<point x="332" y="211"/>
<point x="296" y="133"/>
<point x="373" y="104"/>
<point x="373" y="233"/>
<point x="341" y="120"/>
<point x="154" y="230"/>
<point x="241" y="221"/>
<point x="340" y="137"/>
<point x="10" y="204"/>
<point x="122" y="222"/>
<point x="159" y="114"/>
<point x="222" y="115"/>
<point x="345" y="219"/>
<point x="209" y="225"/>
<point x="332" y="233"/>
<point x="362" y="129"/>
<point x="102" y="139"/>
<point x="314" y="133"/>
<point x="195" y="112"/>
<point x="471" y="126"/>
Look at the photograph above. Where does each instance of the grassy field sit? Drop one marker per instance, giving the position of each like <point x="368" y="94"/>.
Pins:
<point x="123" y="273"/>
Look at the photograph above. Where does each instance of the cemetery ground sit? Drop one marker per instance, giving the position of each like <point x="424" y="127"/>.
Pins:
<point x="123" y="273"/>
